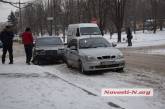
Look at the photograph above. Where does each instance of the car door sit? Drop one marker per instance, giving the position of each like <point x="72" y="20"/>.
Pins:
<point x="72" y="55"/>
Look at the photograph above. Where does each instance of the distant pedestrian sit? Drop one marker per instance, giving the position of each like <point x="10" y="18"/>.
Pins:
<point x="6" y="37"/>
<point x="27" y="40"/>
<point x="129" y="36"/>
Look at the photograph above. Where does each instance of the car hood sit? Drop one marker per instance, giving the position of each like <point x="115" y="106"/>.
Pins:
<point x="95" y="52"/>
<point x="50" y="47"/>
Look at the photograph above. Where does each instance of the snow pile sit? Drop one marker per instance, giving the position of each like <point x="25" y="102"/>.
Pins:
<point x="140" y="39"/>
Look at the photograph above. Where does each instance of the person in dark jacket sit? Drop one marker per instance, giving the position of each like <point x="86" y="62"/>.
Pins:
<point x="129" y="36"/>
<point x="27" y="40"/>
<point x="6" y="37"/>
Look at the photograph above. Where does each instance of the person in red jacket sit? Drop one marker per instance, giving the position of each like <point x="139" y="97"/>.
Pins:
<point x="27" y="40"/>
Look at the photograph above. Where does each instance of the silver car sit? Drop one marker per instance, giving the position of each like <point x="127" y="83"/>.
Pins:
<point x="92" y="54"/>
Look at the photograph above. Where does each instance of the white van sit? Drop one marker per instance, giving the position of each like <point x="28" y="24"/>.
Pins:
<point x="82" y="29"/>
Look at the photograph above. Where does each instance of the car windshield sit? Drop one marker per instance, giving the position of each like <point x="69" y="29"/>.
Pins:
<point x="93" y="43"/>
<point x="49" y="41"/>
<point x="90" y="31"/>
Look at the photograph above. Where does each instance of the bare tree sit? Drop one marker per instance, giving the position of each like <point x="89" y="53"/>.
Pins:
<point x="154" y="6"/>
<point x="117" y="14"/>
<point x="109" y="14"/>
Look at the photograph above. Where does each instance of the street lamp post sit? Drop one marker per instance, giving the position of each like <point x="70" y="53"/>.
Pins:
<point x="20" y="15"/>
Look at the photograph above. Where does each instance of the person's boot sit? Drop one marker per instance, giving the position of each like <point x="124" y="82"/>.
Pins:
<point x="3" y="61"/>
<point x="11" y="62"/>
<point x="28" y="63"/>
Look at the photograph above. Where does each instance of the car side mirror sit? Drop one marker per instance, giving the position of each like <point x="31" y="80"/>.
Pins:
<point x="114" y="44"/>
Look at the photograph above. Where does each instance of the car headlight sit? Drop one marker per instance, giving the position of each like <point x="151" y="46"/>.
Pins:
<point x="89" y="58"/>
<point x="120" y="56"/>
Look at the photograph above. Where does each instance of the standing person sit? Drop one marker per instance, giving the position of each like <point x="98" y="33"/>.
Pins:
<point x="27" y="40"/>
<point x="129" y="36"/>
<point x="6" y="37"/>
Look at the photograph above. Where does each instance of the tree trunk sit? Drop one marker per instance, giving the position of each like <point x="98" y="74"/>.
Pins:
<point x="119" y="35"/>
<point x="161" y="25"/>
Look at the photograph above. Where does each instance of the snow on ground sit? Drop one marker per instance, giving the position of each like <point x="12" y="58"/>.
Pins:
<point x="33" y="87"/>
<point x="140" y="39"/>
<point x="153" y="51"/>
<point x="129" y="79"/>
<point x="57" y="87"/>
<point x="157" y="52"/>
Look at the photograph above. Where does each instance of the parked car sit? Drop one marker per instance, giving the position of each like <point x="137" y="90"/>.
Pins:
<point x="48" y="49"/>
<point x="1" y="45"/>
<point x="81" y="30"/>
<point x="92" y="54"/>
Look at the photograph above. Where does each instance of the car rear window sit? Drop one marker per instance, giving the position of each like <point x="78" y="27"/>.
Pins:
<point x="90" y="31"/>
<point x="49" y="41"/>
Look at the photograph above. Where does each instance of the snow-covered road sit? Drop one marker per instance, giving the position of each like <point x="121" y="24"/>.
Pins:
<point x="57" y="87"/>
<point x="34" y="87"/>
<point x="130" y="79"/>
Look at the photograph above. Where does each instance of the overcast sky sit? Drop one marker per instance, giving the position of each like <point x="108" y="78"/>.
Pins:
<point x="5" y="9"/>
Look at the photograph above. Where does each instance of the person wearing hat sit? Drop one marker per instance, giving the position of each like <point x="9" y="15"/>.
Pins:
<point x="6" y="37"/>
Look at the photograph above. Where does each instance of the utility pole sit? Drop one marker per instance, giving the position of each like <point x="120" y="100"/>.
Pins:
<point x="50" y="19"/>
<point x="20" y="14"/>
<point x="54" y="14"/>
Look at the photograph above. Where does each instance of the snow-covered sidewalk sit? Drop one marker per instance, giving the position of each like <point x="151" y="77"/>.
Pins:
<point x="33" y="87"/>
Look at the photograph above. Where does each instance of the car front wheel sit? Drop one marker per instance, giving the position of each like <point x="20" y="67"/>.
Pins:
<point x="81" y="68"/>
<point x="36" y="61"/>
<point x="67" y="63"/>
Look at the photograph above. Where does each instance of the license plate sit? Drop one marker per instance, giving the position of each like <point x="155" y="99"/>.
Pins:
<point x="107" y="62"/>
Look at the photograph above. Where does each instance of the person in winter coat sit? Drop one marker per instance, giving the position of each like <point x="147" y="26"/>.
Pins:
<point x="129" y="36"/>
<point x="27" y="40"/>
<point x="6" y="37"/>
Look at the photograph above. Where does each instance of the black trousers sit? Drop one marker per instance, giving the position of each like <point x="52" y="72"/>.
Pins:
<point x="28" y="51"/>
<point x="8" y="48"/>
<point x="129" y="42"/>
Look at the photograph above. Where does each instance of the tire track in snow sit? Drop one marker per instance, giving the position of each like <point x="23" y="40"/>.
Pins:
<point x="111" y="104"/>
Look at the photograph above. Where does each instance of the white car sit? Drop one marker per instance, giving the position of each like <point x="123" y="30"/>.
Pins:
<point x="92" y="54"/>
